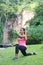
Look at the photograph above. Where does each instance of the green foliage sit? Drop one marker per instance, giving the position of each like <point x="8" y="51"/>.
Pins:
<point x="36" y="26"/>
<point x="35" y="20"/>
<point x="39" y="9"/>
<point x="9" y="9"/>
<point x="36" y="33"/>
<point x="38" y="15"/>
<point x="1" y="32"/>
<point x="12" y="35"/>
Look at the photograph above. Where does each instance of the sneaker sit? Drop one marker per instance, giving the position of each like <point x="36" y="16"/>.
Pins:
<point x="15" y="58"/>
<point x="34" y="53"/>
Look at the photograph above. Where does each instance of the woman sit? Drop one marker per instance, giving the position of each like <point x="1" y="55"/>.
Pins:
<point x="22" y="37"/>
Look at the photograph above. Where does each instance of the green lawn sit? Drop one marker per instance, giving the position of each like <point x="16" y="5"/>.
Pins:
<point x="7" y="54"/>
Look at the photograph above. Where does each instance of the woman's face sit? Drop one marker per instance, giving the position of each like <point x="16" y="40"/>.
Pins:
<point x="22" y="31"/>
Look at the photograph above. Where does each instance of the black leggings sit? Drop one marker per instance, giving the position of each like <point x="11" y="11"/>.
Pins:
<point x="22" y="49"/>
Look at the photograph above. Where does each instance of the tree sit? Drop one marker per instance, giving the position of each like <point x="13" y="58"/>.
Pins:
<point x="10" y="8"/>
<point x="39" y="9"/>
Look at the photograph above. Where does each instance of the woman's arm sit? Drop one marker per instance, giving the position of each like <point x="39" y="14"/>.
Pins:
<point x="24" y="35"/>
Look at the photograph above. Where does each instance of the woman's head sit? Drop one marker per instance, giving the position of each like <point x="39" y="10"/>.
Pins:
<point x="22" y="31"/>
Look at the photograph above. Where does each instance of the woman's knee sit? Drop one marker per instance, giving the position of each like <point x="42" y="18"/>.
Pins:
<point x="17" y="49"/>
<point x="16" y="45"/>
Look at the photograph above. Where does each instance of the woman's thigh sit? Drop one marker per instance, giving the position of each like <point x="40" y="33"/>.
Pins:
<point x="23" y="50"/>
<point x="22" y="47"/>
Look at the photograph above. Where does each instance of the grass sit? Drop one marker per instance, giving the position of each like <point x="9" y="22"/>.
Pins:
<point x="7" y="54"/>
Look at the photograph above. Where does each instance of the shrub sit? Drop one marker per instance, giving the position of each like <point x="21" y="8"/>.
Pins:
<point x="35" y="20"/>
<point x="39" y="9"/>
<point x="1" y="32"/>
<point x="12" y="35"/>
<point x="36" y="33"/>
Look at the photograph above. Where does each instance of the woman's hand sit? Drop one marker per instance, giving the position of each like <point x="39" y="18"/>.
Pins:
<point x="28" y="35"/>
<point x="24" y="35"/>
<point x="20" y="35"/>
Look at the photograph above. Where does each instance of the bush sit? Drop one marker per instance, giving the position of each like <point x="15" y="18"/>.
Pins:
<point x="12" y="35"/>
<point x="39" y="9"/>
<point x="1" y="32"/>
<point x="36" y="26"/>
<point x="35" y="20"/>
<point x="36" y="33"/>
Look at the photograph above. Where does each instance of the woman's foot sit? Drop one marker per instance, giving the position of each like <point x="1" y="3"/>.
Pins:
<point x="34" y="53"/>
<point x="15" y="58"/>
